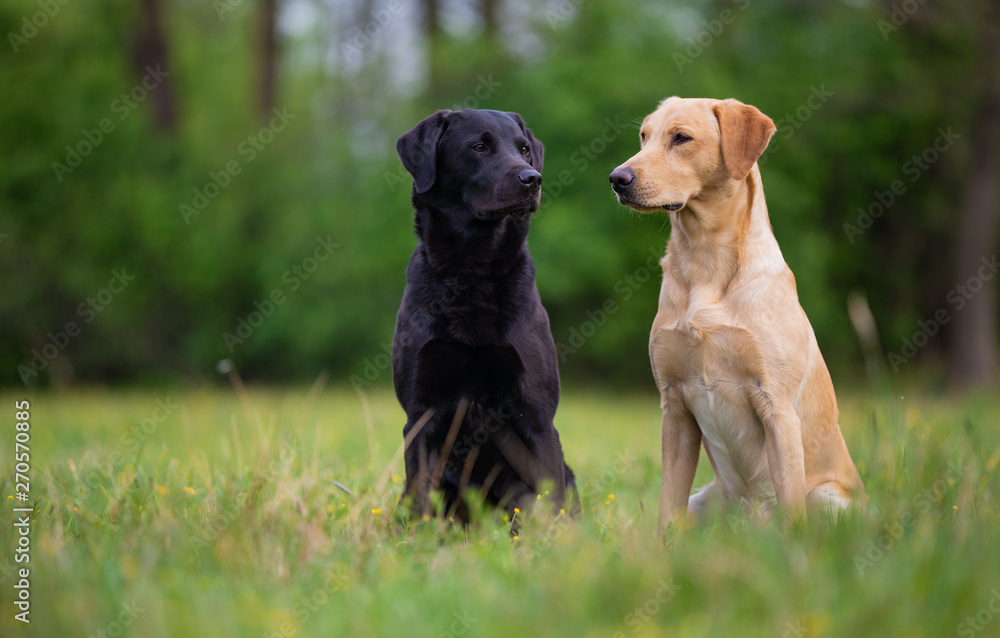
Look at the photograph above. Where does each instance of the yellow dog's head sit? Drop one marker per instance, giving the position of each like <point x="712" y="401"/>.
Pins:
<point x="689" y="147"/>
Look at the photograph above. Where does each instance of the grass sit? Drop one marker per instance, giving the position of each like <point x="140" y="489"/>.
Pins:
<point x="223" y="519"/>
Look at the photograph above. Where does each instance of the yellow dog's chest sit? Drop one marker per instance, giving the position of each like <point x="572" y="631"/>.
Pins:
<point x="715" y="366"/>
<point x="702" y="344"/>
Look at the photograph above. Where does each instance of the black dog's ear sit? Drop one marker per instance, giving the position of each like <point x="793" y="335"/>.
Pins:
<point x="417" y="149"/>
<point x="537" y="149"/>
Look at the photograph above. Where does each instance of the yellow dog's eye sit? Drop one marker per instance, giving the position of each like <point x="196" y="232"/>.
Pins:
<point x="680" y="138"/>
<point x="642" y="137"/>
<point x="479" y="148"/>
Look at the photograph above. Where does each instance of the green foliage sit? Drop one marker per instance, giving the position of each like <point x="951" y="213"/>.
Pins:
<point x="582" y="78"/>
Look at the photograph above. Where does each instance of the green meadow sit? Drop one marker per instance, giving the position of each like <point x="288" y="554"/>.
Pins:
<point x="271" y="513"/>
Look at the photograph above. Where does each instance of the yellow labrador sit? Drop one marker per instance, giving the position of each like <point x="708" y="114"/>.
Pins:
<point x="733" y="353"/>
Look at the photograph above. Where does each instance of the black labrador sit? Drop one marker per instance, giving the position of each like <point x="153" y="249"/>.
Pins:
<point x="473" y="361"/>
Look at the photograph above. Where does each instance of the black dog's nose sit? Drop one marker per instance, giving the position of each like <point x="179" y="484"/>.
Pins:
<point x="530" y="177"/>
<point x="621" y="178"/>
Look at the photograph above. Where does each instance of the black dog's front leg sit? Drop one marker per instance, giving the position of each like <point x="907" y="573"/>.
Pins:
<point x="553" y="467"/>
<point x="536" y="464"/>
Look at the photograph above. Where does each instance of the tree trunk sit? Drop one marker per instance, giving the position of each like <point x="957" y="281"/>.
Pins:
<point x="268" y="55"/>
<point x="150" y="57"/>
<point x="491" y="19"/>
<point x="972" y="359"/>
<point x="432" y="34"/>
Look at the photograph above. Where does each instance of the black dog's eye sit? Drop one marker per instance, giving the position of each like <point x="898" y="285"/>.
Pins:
<point x="479" y="148"/>
<point x="680" y="138"/>
<point x="525" y="150"/>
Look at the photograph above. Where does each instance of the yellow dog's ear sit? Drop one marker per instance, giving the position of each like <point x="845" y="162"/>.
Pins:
<point x="745" y="134"/>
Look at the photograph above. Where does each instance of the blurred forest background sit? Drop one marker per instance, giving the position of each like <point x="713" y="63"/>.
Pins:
<point x="237" y="157"/>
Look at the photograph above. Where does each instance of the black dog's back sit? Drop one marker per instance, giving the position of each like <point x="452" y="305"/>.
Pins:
<point x="474" y="364"/>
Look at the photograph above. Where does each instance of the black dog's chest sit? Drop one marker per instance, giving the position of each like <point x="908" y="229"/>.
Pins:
<point x="447" y="369"/>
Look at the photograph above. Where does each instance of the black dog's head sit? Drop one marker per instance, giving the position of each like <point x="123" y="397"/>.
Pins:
<point x="487" y="161"/>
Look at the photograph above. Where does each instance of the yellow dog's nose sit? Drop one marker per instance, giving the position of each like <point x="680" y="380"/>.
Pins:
<point x="622" y="179"/>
